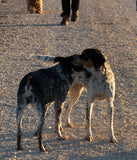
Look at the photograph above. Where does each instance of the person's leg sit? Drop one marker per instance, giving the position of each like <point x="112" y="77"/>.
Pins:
<point x="65" y="7"/>
<point x="75" y="5"/>
<point x="66" y="12"/>
<point x="75" y="8"/>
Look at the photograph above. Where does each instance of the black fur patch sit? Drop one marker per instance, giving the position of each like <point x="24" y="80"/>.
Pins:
<point x="94" y="55"/>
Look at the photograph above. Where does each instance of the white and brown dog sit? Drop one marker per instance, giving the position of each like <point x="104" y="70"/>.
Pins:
<point x="100" y="86"/>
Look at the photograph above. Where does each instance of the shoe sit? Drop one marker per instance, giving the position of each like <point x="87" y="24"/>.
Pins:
<point x="65" y="20"/>
<point x="62" y="14"/>
<point x="74" y="16"/>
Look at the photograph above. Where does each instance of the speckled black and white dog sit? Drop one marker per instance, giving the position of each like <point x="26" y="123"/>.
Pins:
<point x="100" y="86"/>
<point x="42" y="87"/>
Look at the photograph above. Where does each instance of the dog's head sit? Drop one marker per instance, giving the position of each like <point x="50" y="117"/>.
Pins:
<point x="69" y="59"/>
<point x="90" y="58"/>
<point x="68" y="65"/>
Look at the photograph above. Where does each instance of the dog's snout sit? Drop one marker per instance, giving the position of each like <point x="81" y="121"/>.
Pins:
<point x="76" y="59"/>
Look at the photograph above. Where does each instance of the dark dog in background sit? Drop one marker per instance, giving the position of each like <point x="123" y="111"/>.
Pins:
<point x="41" y="88"/>
<point x="100" y="86"/>
<point x="34" y="6"/>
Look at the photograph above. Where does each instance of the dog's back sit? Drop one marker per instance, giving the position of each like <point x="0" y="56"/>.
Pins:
<point x="44" y="83"/>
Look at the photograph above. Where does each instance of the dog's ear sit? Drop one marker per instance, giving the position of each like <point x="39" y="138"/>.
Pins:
<point x="99" y="61"/>
<point x="94" y="55"/>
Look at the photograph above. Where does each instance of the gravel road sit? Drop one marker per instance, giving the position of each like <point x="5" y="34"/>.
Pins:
<point x="108" y="25"/>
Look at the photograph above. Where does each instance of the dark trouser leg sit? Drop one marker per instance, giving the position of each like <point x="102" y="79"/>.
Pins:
<point x="66" y="7"/>
<point x="66" y="12"/>
<point x="75" y="8"/>
<point x="75" y="5"/>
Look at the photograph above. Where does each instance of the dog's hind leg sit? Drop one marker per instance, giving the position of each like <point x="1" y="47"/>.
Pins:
<point x="41" y="122"/>
<point x="46" y="109"/>
<point x="75" y="93"/>
<point x="111" y="115"/>
<point x="20" y="108"/>
<point x="40" y="109"/>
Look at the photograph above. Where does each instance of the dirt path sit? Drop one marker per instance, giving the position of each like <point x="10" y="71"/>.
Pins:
<point x="109" y="25"/>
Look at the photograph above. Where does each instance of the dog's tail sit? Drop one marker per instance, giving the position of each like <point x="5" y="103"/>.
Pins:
<point x="45" y="58"/>
<point x="49" y="58"/>
<point x="28" y="82"/>
<point x="28" y="89"/>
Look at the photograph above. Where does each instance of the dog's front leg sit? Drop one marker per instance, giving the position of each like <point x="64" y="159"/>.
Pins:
<point x="58" y="113"/>
<point x="111" y="114"/>
<point x="89" y="110"/>
<point x="75" y="93"/>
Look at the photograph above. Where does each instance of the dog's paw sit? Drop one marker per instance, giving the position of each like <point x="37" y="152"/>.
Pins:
<point x="89" y="138"/>
<point x="113" y="140"/>
<point x="42" y="148"/>
<point x="63" y="137"/>
<point x="70" y="125"/>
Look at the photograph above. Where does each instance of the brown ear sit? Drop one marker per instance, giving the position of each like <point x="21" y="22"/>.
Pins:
<point x="85" y="63"/>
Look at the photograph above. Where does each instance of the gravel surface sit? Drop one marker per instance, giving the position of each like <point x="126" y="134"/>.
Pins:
<point x="108" y="25"/>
